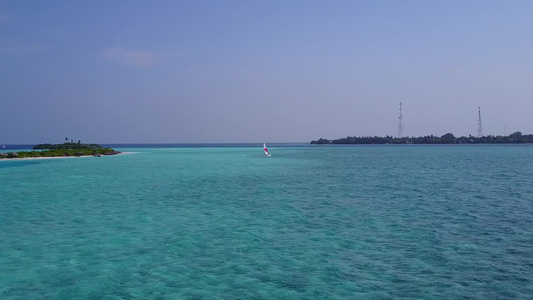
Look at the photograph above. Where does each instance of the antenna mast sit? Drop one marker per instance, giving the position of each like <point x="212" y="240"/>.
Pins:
<point x="400" y="123"/>
<point x="479" y="128"/>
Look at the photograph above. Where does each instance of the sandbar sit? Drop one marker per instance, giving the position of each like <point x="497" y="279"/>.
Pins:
<point x="53" y="157"/>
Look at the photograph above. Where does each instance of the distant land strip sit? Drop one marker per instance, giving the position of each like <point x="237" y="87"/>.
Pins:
<point x="448" y="138"/>
<point x="61" y="150"/>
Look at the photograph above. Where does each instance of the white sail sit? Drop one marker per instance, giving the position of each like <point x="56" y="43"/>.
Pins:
<point x="265" y="148"/>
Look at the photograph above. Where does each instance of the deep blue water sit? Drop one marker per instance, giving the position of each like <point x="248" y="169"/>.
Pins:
<point x="310" y="222"/>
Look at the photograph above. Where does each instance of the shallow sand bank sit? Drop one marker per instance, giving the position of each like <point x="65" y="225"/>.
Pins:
<point x="54" y="157"/>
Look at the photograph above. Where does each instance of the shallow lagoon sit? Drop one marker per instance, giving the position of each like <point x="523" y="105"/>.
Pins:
<point x="309" y="222"/>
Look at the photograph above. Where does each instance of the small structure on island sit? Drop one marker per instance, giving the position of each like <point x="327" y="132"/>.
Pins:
<point x="400" y="123"/>
<point x="479" y="127"/>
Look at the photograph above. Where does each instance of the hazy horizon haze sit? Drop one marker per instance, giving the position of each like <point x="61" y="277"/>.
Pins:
<point x="261" y="71"/>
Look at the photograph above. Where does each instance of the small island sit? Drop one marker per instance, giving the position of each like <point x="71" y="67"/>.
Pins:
<point x="448" y="138"/>
<point x="61" y="150"/>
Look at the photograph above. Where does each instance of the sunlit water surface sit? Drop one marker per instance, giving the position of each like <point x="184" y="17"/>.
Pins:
<point x="367" y="222"/>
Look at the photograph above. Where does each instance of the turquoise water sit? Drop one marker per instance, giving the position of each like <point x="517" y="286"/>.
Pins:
<point x="362" y="222"/>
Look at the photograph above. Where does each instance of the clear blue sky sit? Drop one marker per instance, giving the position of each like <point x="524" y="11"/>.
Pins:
<point x="253" y="71"/>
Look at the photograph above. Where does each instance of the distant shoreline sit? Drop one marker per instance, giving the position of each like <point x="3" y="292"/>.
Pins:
<point x="42" y="157"/>
<point x="58" y="157"/>
<point x="60" y="150"/>
<point x="447" y="139"/>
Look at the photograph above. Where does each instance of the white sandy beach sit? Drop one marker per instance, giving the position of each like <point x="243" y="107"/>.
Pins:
<point x="54" y="157"/>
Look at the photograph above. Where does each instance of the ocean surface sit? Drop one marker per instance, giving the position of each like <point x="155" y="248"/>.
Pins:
<point x="310" y="222"/>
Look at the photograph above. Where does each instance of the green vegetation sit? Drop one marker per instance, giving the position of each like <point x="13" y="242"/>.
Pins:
<point x="66" y="149"/>
<point x="71" y="145"/>
<point x="448" y="138"/>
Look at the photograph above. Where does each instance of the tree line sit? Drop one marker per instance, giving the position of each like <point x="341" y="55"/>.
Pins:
<point x="448" y="138"/>
<point x="65" y="149"/>
<point x="71" y="145"/>
<point x="59" y="152"/>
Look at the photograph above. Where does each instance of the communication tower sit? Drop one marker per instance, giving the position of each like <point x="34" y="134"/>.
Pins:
<point x="400" y="123"/>
<point x="479" y="127"/>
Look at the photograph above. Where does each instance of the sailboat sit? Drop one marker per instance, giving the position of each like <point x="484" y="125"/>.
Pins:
<point x="266" y="151"/>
